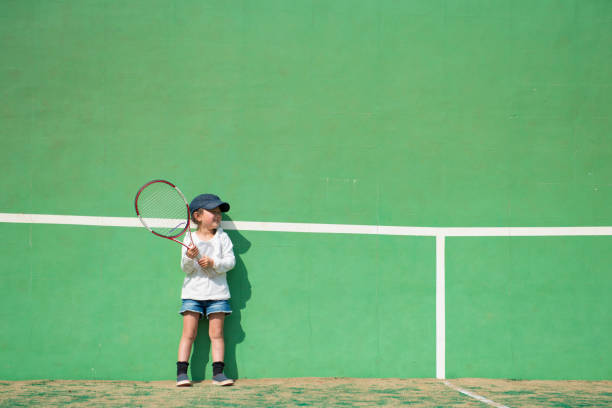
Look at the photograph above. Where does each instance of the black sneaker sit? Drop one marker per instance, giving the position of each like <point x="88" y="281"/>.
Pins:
<point x="221" y="379"/>
<point x="182" y="380"/>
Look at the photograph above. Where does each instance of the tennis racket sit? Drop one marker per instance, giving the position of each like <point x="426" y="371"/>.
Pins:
<point x="162" y="209"/>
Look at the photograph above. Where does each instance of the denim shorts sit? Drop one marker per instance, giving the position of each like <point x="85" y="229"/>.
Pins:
<point x="206" y="307"/>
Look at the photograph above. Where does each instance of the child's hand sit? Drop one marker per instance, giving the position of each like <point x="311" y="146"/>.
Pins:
<point x="192" y="252"/>
<point x="206" y="262"/>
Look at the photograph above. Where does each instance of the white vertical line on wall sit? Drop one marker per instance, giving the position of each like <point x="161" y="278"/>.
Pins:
<point x="440" y="310"/>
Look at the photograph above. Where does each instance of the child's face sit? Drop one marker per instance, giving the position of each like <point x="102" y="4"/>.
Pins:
<point x="209" y="219"/>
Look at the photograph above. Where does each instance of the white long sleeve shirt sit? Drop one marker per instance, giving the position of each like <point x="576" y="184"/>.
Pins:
<point x="208" y="283"/>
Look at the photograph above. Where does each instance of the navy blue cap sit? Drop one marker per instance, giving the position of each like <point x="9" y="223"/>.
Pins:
<point x="208" y="202"/>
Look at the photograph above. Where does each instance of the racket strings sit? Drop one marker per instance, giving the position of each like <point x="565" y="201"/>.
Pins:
<point x="163" y="209"/>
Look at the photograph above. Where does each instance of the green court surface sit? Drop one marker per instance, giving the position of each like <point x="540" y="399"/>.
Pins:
<point x="319" y="392"/>
<point x="437" y="113"/>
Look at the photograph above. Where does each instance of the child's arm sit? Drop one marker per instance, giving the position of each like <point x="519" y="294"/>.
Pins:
<point x="227" y="260"/>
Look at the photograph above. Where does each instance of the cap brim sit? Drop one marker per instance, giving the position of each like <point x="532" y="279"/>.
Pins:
<point x="223" y="206"/>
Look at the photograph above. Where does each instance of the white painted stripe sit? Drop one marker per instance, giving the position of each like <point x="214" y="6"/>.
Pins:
<point x="524" y="231"/>
<point x="320" y="228"/>
<point x="440" y="310"/>
<point x="328" y="228"/>
<point x="70" y="220"/>
<point x="228" y="225"/>
<point x="475" y="396"/>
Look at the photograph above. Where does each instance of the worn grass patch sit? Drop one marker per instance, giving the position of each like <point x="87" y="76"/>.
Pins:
<point x="297" y="392"/>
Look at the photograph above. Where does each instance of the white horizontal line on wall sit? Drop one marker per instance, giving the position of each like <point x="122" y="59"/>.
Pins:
<point x="320" y="228"/>
<point x="523" y="231"/>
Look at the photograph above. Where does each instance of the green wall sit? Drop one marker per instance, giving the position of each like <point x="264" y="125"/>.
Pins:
<point x="421" y="113"/>
<point x="528" y="307"/>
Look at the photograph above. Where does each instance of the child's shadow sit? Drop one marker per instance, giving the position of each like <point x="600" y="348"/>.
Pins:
<point x="240" y="290"/>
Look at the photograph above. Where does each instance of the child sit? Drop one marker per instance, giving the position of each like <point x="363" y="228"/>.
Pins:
<point x="205" y="290"/>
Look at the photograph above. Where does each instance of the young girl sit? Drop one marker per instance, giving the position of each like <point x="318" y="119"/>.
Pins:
<point x="205" y="290"/>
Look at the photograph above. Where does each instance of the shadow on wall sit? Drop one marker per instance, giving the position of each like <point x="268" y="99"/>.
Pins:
<point x="240" y="289"/>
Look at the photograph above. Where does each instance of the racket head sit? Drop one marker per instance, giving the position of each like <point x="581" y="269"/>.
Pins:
<point x="162" y="209"/>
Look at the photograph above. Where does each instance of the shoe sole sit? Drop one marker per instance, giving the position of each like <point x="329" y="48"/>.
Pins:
<point x="184" y="383"/>
<point x="223" y="383"/>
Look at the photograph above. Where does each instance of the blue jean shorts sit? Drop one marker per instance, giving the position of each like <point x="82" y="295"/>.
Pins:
<point x="206" y="307"/>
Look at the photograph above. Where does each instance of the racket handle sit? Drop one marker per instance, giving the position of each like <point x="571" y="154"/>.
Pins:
<point x="197" y="257"/>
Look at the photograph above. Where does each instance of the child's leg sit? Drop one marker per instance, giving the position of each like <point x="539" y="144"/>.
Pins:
<point x="217" y="346"/>
<point x="190" y="330"/>
<point x="215" y="331"/>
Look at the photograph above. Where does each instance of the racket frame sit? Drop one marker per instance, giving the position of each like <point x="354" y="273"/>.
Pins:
<point x="187" y="228"/>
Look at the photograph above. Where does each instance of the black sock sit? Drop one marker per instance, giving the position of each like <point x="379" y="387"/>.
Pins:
<point x="218" y="367"/>
<point x="181" y="367"/>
